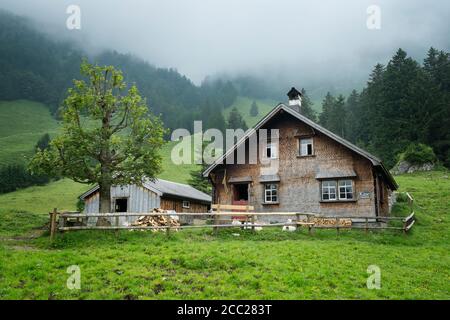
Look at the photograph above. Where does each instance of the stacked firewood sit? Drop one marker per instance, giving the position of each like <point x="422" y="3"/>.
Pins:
<point x="331" y="222"/>
<point x="157" y="221"/>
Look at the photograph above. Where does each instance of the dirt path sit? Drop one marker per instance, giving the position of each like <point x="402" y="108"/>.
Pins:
<point x="20" y="243"/>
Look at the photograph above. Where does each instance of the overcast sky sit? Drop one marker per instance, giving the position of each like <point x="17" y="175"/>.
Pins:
<point x="279" y="38"/>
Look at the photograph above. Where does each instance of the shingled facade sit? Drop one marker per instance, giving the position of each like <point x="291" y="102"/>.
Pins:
<point x="310" y="169"/>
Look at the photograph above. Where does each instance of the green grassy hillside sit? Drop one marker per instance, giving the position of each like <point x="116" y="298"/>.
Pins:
<point x="243" y="104"/>
<point x="270" y="264"/>
<point x="22" y="123"/>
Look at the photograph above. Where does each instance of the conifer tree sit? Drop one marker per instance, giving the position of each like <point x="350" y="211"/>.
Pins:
<point x="254" y="110"/>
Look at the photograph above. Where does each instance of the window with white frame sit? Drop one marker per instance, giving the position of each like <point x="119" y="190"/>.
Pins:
<point x="345" y="189"/>
<point x="333" y="190"/>
<point x="270" y="193"/>
<point x="186" y="204"/>
<point x="329" y="190"/>
<point x="271" y="151"/>
<point x="306" y="147"/>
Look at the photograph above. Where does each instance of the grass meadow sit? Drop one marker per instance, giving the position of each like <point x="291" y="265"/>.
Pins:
<point x="270" y="264"/>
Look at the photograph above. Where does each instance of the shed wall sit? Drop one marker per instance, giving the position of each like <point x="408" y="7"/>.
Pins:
<point x="140" y="200"/>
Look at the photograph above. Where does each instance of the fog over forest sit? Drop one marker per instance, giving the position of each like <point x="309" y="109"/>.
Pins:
<point x="312" y="44"/>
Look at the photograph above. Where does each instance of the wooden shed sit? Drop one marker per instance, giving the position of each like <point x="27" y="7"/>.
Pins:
<point x="160" y="193"/>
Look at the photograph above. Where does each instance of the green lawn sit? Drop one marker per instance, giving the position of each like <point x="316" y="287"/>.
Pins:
<point x="196" y="265"/>
<point x="22" y="123"/>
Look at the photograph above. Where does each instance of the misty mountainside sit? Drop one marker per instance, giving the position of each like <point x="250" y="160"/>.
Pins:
<point x="38" y="68"/>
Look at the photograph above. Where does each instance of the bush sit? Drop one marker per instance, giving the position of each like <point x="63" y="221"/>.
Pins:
<point x="80" y="205"/>
<point x="418" y="153"/>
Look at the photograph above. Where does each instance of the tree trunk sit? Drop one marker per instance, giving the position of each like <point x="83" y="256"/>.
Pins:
<point x="105" y="162"/>
<point x="105" y="204"/>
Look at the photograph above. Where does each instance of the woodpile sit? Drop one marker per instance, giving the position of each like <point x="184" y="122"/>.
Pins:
<point x="157" y="221"/>
<point x="331" y="222"/>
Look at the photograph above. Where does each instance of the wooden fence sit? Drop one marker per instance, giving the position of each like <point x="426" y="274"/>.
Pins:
<point x="218" y="219"/>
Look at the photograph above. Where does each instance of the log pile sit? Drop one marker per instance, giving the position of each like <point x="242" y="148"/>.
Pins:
<point x="331" y="222"/>
<point x="157" y="221"/>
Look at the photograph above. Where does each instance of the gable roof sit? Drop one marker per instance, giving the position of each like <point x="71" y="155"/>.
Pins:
<point x="166" y="188"/>
<point x="374" y="160"/>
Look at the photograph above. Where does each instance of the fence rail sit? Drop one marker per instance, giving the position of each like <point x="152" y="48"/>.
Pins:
<point x="58" y="221"/>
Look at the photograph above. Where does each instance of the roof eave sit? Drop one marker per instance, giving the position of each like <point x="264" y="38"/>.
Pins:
<point x="390" y="178"/>
<point x="88" y="193"/>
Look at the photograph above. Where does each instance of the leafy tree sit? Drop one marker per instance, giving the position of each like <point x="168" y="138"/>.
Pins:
<point x="119" y="145"/>
<point x="235" y="120"/>
<point x="418" y="153"/>
<point x="254" y="110"/>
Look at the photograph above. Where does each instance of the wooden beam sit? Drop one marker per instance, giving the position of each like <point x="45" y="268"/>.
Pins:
<point x="219" y="213"/>
<point x="232" y="207"/>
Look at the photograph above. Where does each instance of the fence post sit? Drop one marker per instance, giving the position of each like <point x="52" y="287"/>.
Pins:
<point x="297" y="225"/>
<point x="117" y="226"/>
<point x="337" y="225"/>
<point x="308" y="219"/>
<point x="53" y="226"/>
<point x="216" y="229"/>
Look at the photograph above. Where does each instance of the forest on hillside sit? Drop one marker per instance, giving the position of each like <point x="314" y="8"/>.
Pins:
<point x="403" y="102"/>
<point x="35" y="67"/>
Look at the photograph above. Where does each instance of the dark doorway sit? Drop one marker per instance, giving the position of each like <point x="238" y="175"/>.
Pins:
<point x="240" y="192"/>
<point x="121" y="205"/>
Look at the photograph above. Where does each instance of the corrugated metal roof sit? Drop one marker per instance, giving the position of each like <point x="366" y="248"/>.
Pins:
<point x="177" y="189"/>
<point x="168" y="188"/>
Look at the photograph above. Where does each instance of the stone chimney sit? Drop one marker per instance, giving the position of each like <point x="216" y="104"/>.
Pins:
<point x="295" y="99"/>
